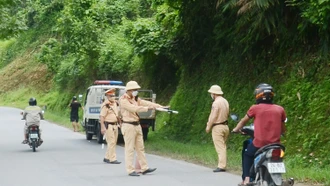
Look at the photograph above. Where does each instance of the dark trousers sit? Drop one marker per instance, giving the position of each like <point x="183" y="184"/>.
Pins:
<point x="245" y="145"/>
<point x="248" y="159"/>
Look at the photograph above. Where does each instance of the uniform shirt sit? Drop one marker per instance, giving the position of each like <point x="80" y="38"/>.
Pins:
<point x="32" y="115"/>
<point x="74" y="108"/>
<point x="129" y="107"/>
<point x="268" y="120"/>
<point x="109" y="114"/>
<point x="219" y="112"/>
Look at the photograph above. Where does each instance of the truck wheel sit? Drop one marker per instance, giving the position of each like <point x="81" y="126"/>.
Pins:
<point x="145" y="132"/>
<point x="89" y="136"/>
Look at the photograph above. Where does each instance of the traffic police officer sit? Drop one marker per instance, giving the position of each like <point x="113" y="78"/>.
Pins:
<point x="109" y="120"/>
<point x="131" y="129"/>
<point x="218" y="123"/>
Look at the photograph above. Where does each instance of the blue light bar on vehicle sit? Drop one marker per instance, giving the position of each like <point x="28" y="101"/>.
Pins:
<point x="108" y="82"/>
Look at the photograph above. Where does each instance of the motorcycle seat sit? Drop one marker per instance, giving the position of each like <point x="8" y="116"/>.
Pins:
<point x="268" y="147"/>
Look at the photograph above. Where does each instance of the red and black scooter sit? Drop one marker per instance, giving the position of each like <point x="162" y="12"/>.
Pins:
<point x="268" y="165"/>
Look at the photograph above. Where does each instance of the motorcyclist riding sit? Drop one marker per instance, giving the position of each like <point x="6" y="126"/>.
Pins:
<point x="32" y="115"/>
<point x="268" y="125"/>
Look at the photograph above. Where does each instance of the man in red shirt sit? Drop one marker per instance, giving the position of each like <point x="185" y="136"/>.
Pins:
<point x="268" y="125"/>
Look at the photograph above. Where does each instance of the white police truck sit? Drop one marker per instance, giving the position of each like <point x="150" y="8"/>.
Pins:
<point x="92" y="105"/>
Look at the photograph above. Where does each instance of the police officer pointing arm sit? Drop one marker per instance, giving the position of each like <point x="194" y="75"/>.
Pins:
<point x="131" y="128"/>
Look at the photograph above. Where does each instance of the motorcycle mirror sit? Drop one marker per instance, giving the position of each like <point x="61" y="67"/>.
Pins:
<point x="80" y="97"/>
<point x="234" y="117"/>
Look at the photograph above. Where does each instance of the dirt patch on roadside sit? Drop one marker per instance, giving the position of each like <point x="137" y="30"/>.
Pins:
<point x="24" y="72"/>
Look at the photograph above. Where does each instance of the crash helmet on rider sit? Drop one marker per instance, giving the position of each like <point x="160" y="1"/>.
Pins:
<point x="74" y="98"/>
<point x="264" y="93"/>
<point x="32" y="101"/>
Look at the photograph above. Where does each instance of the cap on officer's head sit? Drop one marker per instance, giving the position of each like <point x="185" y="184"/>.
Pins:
<point x="110" y="91"/>
<point x="215" y="89"/>
<point x="132" y="85"/>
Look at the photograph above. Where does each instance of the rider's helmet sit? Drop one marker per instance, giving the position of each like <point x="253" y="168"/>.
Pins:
<point x="74" y="98"/>
<point x="264" y="93"/>
<point x="32" y="102"/>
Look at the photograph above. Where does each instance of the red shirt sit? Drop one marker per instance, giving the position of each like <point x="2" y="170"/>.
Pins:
<point x="268" y="120"/>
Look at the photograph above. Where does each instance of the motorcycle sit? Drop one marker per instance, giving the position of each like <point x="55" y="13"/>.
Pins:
<point x="268" y="165"/>
<point x="33" y="135"/>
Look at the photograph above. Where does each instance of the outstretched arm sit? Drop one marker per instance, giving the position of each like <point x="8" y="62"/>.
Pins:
<point x="150" y="104"/>
<point x="241" y="123"/>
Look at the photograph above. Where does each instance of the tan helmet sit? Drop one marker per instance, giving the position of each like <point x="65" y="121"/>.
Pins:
<point x="215" y="89"/>
<point x="110" y="91"/>
<point x="132" y="85"/>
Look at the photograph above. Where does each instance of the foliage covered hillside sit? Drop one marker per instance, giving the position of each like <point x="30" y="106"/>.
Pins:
<point x="179" y="48"/>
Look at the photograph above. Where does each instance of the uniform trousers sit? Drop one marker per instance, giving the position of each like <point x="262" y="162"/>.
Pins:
<point x="133" y="138"/>
<point x="111" y="137"/>
<point x="219" y="135"/>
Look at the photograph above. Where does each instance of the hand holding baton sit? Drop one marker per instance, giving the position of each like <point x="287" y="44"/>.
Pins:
<point x="167" y="110"/>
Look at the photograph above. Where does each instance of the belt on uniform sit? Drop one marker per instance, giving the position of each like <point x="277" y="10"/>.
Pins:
<point x="109" y="123"/>
<point x="222" y="123"/>
<point x="132" y="122"/>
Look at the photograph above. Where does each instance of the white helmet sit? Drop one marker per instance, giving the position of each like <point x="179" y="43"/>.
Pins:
<point x="215" y="89"/>
<point x="132" y="85"/>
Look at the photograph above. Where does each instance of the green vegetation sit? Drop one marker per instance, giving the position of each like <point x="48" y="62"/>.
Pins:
<point x="179" y="48"/>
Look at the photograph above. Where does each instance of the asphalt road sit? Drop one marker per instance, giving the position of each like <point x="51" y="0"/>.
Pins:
<point x="68" y="159"/>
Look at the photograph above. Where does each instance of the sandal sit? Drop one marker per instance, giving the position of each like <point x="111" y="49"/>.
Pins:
<point x="24" y="142"/>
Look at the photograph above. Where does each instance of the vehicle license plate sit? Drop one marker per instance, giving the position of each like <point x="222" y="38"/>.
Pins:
<point x="276" y="168"/>
<point x="33" y="135"/>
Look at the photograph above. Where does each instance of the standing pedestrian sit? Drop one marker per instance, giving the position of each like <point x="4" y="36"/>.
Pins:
<point x="218" y="123"/>
<point x="109" y="121"/>
<point x="74" y="116"/>
<point x="131" y="128"/>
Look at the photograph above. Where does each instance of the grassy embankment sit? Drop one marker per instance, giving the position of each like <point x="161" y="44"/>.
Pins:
<point x="201" y="153"/>
<point x="304" y="101"/>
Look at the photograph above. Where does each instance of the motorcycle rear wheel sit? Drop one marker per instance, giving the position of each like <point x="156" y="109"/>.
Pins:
<point x="34" y="146"/>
